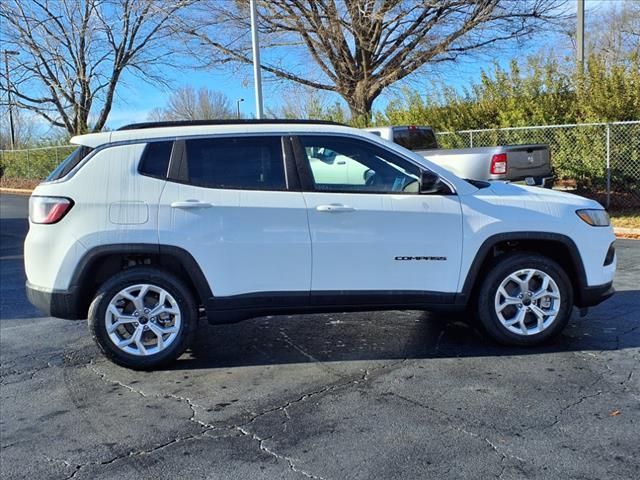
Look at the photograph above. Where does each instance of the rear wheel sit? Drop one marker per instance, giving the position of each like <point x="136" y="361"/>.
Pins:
<point x="525" y="299"/>
<point x="143" y="318"/>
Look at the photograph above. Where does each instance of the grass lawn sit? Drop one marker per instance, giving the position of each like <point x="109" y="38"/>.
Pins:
<point x="626" y="218"/>
<point x="21" y="183"/>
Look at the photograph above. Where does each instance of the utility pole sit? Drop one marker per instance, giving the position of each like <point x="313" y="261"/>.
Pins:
<point x="580" y="36"/>
<point x="238" y="107"/>
<point x="12" y="133"/>
<point x="257" y="79"/>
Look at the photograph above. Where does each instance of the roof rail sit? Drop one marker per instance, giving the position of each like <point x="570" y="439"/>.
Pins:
<point x="188" y="123"/>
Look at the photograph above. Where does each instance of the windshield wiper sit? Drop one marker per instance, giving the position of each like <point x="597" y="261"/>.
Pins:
<point x="478" y="183"/>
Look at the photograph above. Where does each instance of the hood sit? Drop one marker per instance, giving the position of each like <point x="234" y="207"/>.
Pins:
<point x="515" y="193"/>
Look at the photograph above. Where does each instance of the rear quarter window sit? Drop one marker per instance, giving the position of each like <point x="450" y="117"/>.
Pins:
<point x="69" y="163"/>
<point x="415" y="138"/>
<point x="155" y="159"/>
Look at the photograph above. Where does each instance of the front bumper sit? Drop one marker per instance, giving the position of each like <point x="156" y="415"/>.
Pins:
<point x="592" y="296"/>
<point x="56" y="303"/>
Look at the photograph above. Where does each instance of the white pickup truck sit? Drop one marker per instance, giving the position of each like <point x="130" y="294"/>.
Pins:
<point x="531" y="163"/>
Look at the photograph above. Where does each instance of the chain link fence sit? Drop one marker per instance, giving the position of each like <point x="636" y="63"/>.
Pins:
<point x="599" y="160"/>
<point x="33" y="163"/>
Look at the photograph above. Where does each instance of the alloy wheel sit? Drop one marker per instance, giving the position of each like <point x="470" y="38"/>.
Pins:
<point x="143" y="319"/>
<point x="527" y="301"/>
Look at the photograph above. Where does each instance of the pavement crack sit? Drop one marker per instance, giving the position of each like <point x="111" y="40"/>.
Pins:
<point x="243" y="428"/>
<point x="78" y="468"/>
<point x="194" y="410"/>
<point x="263" y="447"/>
<point x="64" y="462"/>
<point x="107" y="380"/>
<point x="291" y="343"/>
<point x="450" y="424"/>
<point x="11" y="372"/>
<point x="629" y="377"/>
<point x="352" y="381"/>
<point x="437" y="346"/>
<point x="571" y="405"/>
<point x="193" y="406"/>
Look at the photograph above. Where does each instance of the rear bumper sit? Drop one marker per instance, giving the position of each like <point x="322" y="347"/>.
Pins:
<point x="544" y="182"/>
<point x="592" y="296"/>
<point x="533" y="181"/>
<point x="55" y="303"/>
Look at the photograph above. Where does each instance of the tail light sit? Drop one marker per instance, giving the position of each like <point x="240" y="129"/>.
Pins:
<point x="499" y="164"/>
<point x="48" y="210"/>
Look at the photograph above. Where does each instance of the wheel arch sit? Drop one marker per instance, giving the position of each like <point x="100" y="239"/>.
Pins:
<point x="100" y="263"/>
<point x="560" y="248"/>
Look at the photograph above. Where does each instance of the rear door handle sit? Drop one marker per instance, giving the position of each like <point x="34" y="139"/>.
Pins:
<point x="191" y="204"/>
<point x="335" y="207"/>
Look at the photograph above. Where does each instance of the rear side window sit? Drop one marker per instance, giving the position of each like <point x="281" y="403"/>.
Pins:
<point x="249" y="163"/>
<point x="415" y="138"/>
<point x="155" y="159"/>
<point x="69" y="163"/>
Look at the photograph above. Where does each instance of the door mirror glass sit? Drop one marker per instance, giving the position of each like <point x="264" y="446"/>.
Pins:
<point x="430" y="182"/>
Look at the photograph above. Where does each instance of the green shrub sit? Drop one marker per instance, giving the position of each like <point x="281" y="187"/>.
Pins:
<point x="32" y="164"/>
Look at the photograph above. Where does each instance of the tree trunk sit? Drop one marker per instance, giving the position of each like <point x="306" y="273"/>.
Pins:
<point x="360" y="101"/>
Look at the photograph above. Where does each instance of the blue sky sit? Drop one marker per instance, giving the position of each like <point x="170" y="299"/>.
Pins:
<point x="136" y="97"/>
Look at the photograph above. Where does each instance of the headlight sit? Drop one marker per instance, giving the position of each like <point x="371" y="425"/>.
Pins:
<point x="595" y="218"/>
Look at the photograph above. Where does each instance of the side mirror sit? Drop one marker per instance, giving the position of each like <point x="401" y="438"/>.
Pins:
<point x="430" y="182"/>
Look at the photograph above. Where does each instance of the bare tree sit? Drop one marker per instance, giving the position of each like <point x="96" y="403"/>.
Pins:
<point x="615" y="31"/>
<point x="306" y="102"/>
<point x="357" y="48"/>
<point x="25" y="128"/>
<point x="188" y="104"/>
<point x="73" y="53"/>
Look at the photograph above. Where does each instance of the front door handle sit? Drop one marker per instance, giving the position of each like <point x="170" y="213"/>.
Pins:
<point x="335" y="207"/>
<point x="191" y="204"/>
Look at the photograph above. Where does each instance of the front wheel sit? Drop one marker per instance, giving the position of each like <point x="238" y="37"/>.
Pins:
<point x="525" y="299"/>
<point x="143" y="318"/>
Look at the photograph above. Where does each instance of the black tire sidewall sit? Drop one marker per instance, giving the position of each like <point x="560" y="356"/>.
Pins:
<point x="177" y="289"/>
<point x="506" y="265"/>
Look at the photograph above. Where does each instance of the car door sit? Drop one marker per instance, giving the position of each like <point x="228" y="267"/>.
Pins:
<point x="374" y="236"/>
<point x="229" y="203"/>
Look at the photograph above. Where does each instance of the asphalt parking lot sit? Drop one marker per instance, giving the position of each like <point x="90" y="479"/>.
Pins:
<point x="341" y="396"/>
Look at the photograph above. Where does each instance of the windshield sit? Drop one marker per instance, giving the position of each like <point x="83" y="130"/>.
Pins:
<point x="415" y="138"/>
<point x="69" y="163"/>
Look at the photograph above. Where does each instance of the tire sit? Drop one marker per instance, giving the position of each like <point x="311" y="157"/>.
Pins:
<point x="170" y="325"/>
<point x="502" y="315"/>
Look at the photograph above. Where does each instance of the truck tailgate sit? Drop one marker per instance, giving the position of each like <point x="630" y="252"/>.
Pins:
<point x="527" y="161"/>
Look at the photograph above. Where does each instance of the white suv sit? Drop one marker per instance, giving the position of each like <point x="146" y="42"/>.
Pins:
<point x="145" y="229"/>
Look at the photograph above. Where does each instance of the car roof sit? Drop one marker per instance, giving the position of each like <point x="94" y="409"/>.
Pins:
<point x="194" y="129"/>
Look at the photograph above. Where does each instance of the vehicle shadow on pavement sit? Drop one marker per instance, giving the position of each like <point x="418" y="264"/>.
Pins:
<point x="12" y="234"/>
<point x="370" y="336"/>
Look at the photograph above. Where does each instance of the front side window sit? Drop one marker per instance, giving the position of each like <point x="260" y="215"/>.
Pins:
<point x="341" y="164"/>
<point x="250" y="163"/>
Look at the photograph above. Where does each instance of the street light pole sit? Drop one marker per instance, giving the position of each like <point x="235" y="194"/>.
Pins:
<point x="238" y="106"/>
<point x="580" y="35"/>
<point x="256" y="59"/>
<point x="12" y="133"/>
